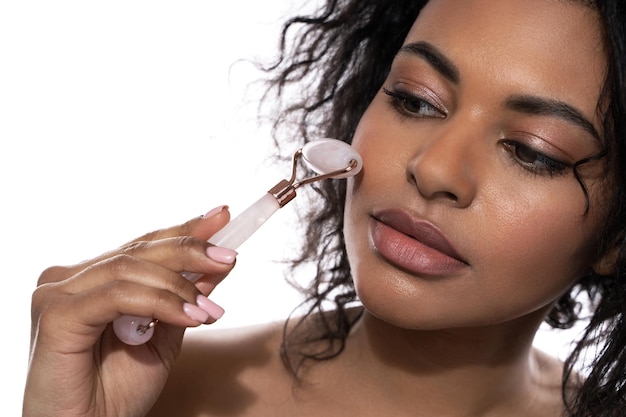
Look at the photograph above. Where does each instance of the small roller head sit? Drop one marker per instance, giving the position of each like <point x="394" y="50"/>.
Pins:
<point x="134" y="330"/>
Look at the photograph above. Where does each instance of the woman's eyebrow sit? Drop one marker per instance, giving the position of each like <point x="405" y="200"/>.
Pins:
<point x="552" y="108"/>
<point x="434" y="57"/>
<point x="521" y="103"/>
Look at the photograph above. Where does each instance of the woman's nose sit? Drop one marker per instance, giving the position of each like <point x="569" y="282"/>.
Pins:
<point x="445" y="168"/>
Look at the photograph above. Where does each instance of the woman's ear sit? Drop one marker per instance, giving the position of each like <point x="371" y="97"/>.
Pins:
<point x="608" y="262"/>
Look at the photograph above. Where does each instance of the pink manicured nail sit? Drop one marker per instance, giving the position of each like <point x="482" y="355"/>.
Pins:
<point x="213" y="310"/>
<point x="215" y="211"/>
<point x="222" y="255"/>
<point x="196" y="313"/>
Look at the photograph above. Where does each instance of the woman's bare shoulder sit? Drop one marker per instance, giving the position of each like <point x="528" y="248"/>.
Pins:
<point x="226" y="372"/>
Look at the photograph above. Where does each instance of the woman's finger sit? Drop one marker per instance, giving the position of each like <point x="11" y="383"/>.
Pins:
<point x="201" y="228"/>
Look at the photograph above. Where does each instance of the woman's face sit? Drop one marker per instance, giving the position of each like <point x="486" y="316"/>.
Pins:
<point x="467" y="211"/>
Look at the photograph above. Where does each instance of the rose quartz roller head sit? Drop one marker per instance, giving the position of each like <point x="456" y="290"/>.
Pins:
<point x="329" y="158"/>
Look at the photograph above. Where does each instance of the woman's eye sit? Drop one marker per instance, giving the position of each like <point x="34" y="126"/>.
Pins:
<point x="534" y="161"/>
<point x="411" y="105"/>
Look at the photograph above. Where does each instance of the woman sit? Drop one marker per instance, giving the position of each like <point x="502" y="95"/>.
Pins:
<point x="492" y="191"/>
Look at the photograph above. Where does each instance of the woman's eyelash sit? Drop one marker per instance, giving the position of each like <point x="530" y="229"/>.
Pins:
<point x="413" y="106"/>
<point x="534" y="161"/>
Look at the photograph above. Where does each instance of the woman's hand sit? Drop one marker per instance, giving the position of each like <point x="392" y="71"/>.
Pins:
<point x="78" y="367"/>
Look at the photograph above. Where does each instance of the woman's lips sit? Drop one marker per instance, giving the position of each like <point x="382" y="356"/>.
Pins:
<point x="414" y="245"/>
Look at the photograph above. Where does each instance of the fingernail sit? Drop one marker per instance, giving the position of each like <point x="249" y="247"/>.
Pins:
<point x="215" y="211"/>
<point x="222" y="255"/>
<point x="196" y="313"/>
<point x="213" y="310"/>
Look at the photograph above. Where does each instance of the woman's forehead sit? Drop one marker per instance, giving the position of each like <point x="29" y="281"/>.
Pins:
<point x="541" y="47"/>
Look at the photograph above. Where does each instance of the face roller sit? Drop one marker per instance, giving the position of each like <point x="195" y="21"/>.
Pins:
<point x="329" y="158"/>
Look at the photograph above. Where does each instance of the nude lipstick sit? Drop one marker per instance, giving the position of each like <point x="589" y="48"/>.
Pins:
<point x="413" y="244"/>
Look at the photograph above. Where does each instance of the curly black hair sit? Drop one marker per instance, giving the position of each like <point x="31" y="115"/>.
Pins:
<point x="332" y="64"/>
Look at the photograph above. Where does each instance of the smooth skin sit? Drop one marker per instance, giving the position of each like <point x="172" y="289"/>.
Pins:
<point x="455" y="151"/>
<point x="493" y="174"/>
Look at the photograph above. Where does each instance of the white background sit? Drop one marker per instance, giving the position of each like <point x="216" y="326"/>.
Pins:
<point x="120" y="117"/>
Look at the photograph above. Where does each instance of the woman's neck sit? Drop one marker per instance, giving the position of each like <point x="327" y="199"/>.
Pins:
<point x="473" y="371"/>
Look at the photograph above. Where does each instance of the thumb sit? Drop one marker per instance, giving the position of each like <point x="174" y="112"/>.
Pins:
<point x="206" y="226"/>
